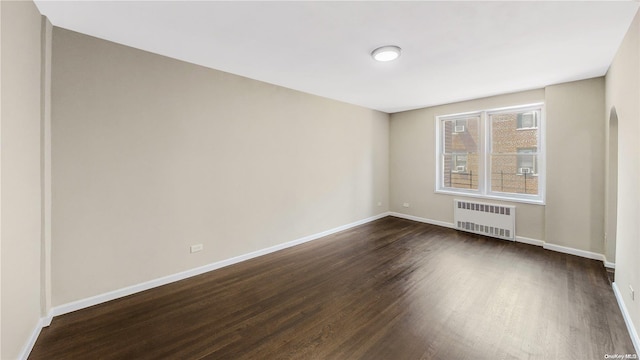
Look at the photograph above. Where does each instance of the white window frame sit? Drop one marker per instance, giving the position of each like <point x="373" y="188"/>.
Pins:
<point x="484" y="159"/>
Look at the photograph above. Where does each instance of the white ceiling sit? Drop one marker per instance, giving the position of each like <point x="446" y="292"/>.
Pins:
<point x="452" y="51"/>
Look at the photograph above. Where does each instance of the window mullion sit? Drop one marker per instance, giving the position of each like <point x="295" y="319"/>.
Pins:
<point x="485" y="148"/>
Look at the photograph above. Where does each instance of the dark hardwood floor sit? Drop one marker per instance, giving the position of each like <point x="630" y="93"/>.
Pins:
<point x="390" y="289"/>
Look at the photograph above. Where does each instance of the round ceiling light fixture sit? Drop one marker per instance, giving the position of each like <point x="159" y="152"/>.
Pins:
<point x="386" y="53"/>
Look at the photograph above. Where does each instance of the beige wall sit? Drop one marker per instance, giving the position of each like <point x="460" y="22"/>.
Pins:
<point x="152" y="155"/>
<point x="611" y="184"/>
<point x="578" y="106"/>
<point x="46" y="244"/>
<point x="20" y="179"/>
<point x="574" y="214"/>
<point x="623" y="95"/>
<point x="412" y="163"/>
<point x="0" y="179"/>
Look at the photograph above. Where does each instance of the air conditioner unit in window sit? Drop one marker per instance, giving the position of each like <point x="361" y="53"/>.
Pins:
<point x="460" y="168"/>
<point x="528" y="120"/>
<point x="458" y="128"/>
<point x="524" y="170"/>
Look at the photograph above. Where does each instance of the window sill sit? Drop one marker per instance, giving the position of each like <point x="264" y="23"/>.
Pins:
<point x="475" y="194"/>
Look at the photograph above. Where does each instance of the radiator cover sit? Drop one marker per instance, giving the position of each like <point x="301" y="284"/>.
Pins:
<point x="493" y="220"/>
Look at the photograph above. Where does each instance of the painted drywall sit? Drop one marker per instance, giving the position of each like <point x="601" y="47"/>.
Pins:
<point x="45" y="127"/>
<point x="20" y="179"/>
<point x="412" y="163"/>
<point x="0" y="180"/>
<point x="611" y="184"/>
<point x="623" y="95"/>
<point x="574" y="214"/>
<point x="152" y="155"/>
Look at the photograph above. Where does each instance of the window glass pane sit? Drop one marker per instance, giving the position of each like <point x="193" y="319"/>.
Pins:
<point x="506" y="178"/>
<point x="460" y="171"/>
<point x="460" y="148"/>
<point x="514" y="152"/>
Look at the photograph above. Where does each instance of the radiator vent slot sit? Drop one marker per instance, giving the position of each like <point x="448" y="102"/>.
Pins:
<point x="485" y="219"/>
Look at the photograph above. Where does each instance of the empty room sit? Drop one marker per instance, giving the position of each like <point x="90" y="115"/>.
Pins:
<point x="319" y="179"/>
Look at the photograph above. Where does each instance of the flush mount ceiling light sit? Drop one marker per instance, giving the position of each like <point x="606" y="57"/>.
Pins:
<point x="386" y="53"/>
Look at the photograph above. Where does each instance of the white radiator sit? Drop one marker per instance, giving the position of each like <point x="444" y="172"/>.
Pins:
<point x="485" y="219"/>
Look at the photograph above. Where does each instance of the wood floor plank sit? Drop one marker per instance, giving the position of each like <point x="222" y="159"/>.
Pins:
<point x="389" y="289"/>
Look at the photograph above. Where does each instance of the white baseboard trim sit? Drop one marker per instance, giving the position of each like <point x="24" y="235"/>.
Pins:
<point x="522" y="239"/>
<point x="530" y="241"/>
<point x="112" y="295"/>
<point x="627" y="318"/>
<point x="422" y="220"/>
<point x="26" y="350"/>
<point x="577" y="252"/>
<point x="46" y="321"/>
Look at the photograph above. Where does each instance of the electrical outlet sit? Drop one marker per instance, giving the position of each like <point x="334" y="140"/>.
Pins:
<point x="196" y="248"/>
<point x="405" y="205"/>
<point x="632" y="293"/>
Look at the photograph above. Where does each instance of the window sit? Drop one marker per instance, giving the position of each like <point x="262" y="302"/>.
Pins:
<point x="497" y="155"/>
